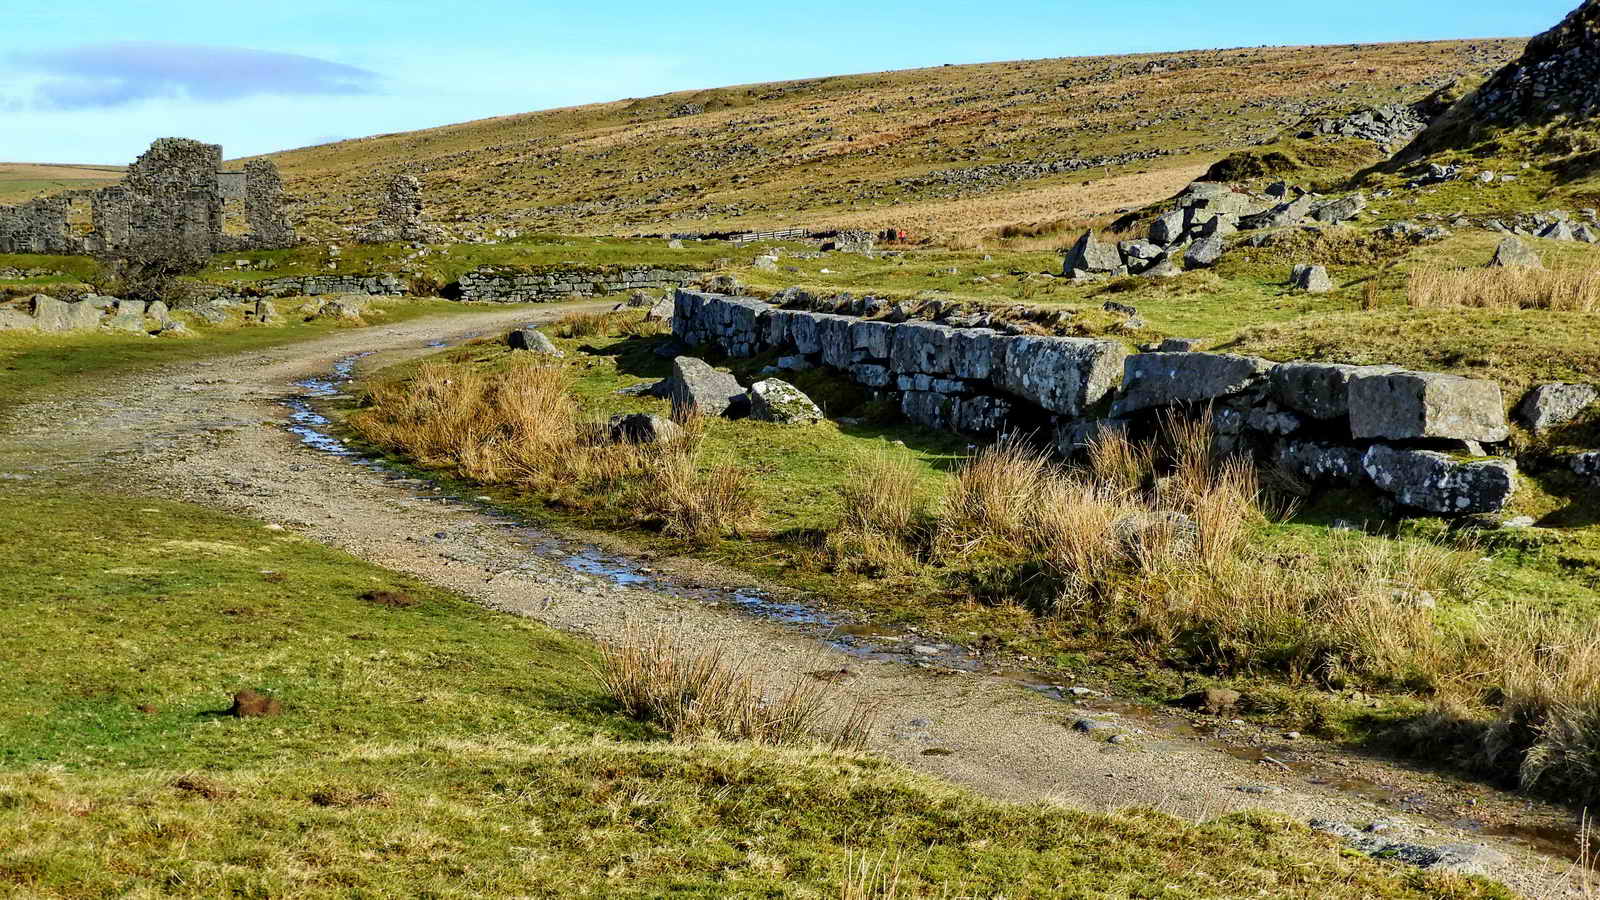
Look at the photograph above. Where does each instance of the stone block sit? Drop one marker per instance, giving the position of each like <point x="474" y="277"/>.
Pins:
<point x="1064" y="375"/>
<point x="871" y="340"/>
<point x="931" y="410"/>
<point x="921" y="347"/>
<point x="1318" y="390"/>
<point x="1399" y="405"/>
<point x="1439" y="483"/>
<point x="977" y="354"/>
<point x="1153" y="380"/>
<point x="1321" y="463"/>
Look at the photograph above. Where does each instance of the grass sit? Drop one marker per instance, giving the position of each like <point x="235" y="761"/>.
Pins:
<point x="460" y="752"/>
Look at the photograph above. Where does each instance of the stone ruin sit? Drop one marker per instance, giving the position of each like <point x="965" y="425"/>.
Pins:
<point x="399" y="216"/>
<point x="175" y="192"/>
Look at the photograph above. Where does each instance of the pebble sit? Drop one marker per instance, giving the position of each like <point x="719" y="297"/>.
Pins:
<point x="925" y="650"/>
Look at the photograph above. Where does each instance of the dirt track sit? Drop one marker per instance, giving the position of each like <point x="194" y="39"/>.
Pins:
<point x="214" y="433"/>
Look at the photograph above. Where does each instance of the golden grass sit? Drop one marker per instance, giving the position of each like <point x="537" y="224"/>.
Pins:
<point x="1564" y="290"/>
<point x="695" y="694"/>
<point x="521" y="426"/>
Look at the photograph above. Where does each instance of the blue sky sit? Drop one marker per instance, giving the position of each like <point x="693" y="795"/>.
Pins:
<point x="95" y="82"/>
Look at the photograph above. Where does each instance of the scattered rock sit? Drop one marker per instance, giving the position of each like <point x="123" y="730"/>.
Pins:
<point x="533" y="341"/>
<point x="643" y="428"/>
<point x="1311" y="279"/>
<point x="392" y="599"/>
<point x="697" y="389"/>
<point x="1553" y="405"/>
<point x="774" y="400"/>
<point x="1513" y="253"/>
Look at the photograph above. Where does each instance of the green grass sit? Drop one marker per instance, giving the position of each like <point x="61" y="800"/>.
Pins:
<point x="444" y="750"/>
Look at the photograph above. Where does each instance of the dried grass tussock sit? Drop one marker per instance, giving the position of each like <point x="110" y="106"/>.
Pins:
<point x="1563" y="290"/>
<point x="522" y="427"/>
<point x="696" y="694"/>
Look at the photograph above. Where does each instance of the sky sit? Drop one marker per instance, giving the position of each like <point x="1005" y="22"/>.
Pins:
<point x="95" y="82"/>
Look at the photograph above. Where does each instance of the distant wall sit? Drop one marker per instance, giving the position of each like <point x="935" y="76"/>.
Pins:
<point x="1417" y="436"/>
<point x="503" y="284"/>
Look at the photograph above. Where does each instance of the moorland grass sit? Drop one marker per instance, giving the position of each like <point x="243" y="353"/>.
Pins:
<point x="435" y="748"/>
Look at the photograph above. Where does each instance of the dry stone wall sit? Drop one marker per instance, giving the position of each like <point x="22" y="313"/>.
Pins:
<point x="504" y="284"/>
<point x="1416" y="436"/>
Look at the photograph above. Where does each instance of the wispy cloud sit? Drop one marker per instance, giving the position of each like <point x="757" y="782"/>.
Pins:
<point x="102" y="76"/>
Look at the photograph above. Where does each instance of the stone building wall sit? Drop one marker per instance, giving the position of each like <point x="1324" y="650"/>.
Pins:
<point x="1417" y="436"/>
<point x="174" y="192"/>
<point x="503" y="284"/>
<point x="38" y="226"/>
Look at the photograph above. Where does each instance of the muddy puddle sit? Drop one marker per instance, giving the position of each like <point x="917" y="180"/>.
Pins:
<point x="877" y="642"/>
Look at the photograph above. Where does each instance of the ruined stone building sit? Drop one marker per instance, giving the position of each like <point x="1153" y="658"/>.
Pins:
<point x="175" y="192"/>
<point x="399" y="215"/>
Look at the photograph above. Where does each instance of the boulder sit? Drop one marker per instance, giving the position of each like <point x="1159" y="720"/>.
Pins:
<point x="533" y="341"/>
<point x="1553" y="405"/>
<point x="1090" y="255"/>
<point x="1513" y="253"/>
<point x="1400" y="405"/>
<point x="1587" y="465"/>
<point x="661" y="311"/>
<point x="1140" y="255"/>
<point x="15" y="320"/>
<point x="50" y="314"/>
<point x="1179" y="345"/>
<point x="779" y="401"/>
<point x="1311" y="279"/>
<point x="1205" y="253"/>
<point x="1064" y="375"/>
<point x="1163" y="268"/>
<point x="1152" y="380"/>
<point x="1439" y="483"/>
<point x="697" y="389"/>
<point x="643" y="428"/>
<point x="1219" y="225"/>
<point x="1318" y="390"/>
<point x="348" y="307"/>
<point x="1280" y="216"/>
<point x="1339" y="210"/>
<point x="1169" y="229"/>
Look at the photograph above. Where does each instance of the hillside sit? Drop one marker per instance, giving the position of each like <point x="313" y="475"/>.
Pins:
<point x="955" y="150"/>
<point x="20" y="182"/>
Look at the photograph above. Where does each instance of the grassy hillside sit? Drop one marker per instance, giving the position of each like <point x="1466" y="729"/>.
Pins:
<point x="955" y="149"/>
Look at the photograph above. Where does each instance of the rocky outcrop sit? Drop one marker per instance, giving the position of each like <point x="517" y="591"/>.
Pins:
<point x="1559" y="73"/>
